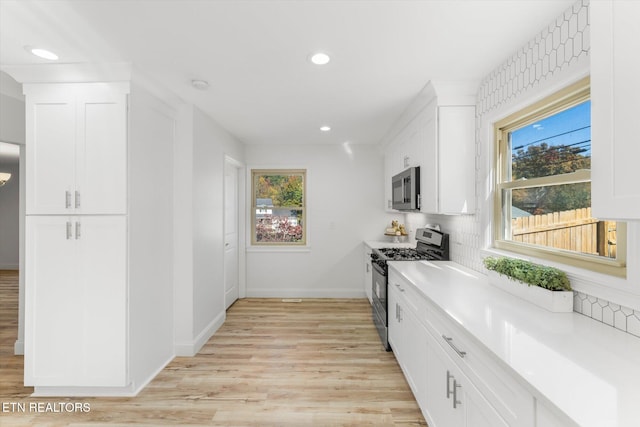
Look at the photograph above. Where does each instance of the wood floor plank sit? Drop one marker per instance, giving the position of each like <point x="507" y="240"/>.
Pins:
<point x="318" y="362"/>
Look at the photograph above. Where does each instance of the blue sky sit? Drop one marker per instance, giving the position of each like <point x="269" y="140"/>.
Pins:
<point x="572" y="126"/>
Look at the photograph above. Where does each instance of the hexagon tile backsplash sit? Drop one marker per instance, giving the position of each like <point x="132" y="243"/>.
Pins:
<point x="620" y="317"/>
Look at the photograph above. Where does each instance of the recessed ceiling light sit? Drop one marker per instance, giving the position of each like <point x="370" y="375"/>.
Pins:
<point x="325" y="128"/>
<point x="200" y="84"/>
<point x="320" y="58"/>
<point x="42" y="53"/>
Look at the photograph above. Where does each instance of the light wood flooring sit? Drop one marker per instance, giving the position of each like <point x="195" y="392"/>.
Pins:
<point x="317" y="362"/>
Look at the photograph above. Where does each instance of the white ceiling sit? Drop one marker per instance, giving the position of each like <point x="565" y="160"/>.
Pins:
<point x="254" y="53"/>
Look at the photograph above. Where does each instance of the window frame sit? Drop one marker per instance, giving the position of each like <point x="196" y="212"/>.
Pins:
<point x="284" y="171"/>
<point x="566" y="98"/>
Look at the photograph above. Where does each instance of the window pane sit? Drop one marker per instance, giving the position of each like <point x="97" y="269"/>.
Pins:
<point x="557" y="217"/>
<point x="279" y="190"/>
<point x="278" y="225"/>
<point x="554" y="145"/>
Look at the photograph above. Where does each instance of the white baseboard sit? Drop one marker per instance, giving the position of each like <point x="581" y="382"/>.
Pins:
<point x="46" y="391"/>
<point x="306" y="293"/>
<point x="130" y="390"/>
<point x="138" y="388"/>
<point x="192" y="348"/>
<point x="18" y="348"/>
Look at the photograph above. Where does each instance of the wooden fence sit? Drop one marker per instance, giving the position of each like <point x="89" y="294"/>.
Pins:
<point x="575" y="230"/>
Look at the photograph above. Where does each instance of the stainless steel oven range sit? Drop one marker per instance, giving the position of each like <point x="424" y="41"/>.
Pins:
<point x="432" y="245"/>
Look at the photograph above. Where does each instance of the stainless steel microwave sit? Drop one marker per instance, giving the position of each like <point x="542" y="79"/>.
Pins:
<point x="405" y="190"/>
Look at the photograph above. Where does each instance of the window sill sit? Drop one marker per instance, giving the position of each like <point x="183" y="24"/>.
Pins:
<point x="281" y="249"/>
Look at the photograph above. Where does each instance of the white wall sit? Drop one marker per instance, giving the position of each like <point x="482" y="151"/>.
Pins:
<point x="344" y="207"/>
<point x="151" y="144"/>
<point x="12" y="129"/>
<point x="199" y="227"/>
<point x="12" y="118"/>
<point x="10" y="214"/>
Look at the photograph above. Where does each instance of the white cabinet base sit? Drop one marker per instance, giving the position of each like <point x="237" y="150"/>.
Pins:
<point x="75" y="301"/>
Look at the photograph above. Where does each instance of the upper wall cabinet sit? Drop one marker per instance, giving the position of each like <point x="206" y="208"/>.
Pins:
<point x="76" y="142"/>
<point x="615" y="95"/>
<point x="437" y="133"/>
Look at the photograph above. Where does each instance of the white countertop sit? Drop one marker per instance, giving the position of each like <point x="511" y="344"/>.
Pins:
<point x="588" y="370"/>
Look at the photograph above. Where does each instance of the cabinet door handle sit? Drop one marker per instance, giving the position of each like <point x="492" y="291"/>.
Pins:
<point x="449" y="341"/>
<point x="67" y="199"/>
<point x="78" y="230"/>
<point x="68" y="230"/>
<point x="449" y="378"/>
<point x="456" y="402"/>
<point x="77" y="196"/>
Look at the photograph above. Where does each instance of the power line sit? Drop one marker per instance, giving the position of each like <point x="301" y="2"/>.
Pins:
<point x="526" y="154"/>
<point x="550" y="137"/>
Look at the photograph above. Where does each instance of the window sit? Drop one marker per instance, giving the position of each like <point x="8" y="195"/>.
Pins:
<point x="278" y="207"/>
<point x="543" y="186"/>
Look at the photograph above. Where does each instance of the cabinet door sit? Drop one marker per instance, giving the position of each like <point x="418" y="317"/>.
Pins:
<point x="388" y="173"/>
<point x="429" y="169"/>
<point x="368" y="273"/>
<point x="415" y="358"/>
<point x="451" y="398"/>
<point x="52" y="302"/>
<point x="75" y="307"/>
<point x="50" y="155"/>
<point x="409" y="342"/>
<point x="615" y="95"/>
<point x="102" y="153"/>
<point x="396" y="339"/>
<point x="456" y="159"/>
<point x="441" y="374"/>
<point x="102" y="280"/>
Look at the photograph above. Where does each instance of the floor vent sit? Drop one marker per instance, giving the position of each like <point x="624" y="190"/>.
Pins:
<point x="292" y="300"/>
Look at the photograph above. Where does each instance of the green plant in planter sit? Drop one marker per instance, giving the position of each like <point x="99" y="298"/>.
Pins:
<point x="530" y="273"/>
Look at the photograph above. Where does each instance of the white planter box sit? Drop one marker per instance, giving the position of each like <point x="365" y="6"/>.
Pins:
<point x="554" y="301"/>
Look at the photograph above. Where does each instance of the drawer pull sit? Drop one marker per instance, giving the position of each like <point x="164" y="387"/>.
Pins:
<point x="449" y="341"/>
<point x="456" y="402"/>
<point x="449" y="377"/>
<point x="397" y="285"/>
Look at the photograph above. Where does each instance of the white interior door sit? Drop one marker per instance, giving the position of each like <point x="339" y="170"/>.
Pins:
<point x="231" y="271"/>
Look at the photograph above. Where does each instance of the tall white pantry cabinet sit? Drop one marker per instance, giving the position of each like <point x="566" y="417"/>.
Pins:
<point x="98" y="290"/>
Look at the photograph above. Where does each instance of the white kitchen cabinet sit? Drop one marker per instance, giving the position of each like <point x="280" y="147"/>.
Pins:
<point x="455" y="145"/>
<point x="76" y="148"/>
<point x="451" y="398"/>
<point x="408" y="340"/>
<point x="94" y="256"/>
<point x="76" y="305"/>
<point x="368" y="273"/>
<point x="455" y="381"/>
<point x="437" y="133"/>
<point x="406" y="151"/>
<point x="615" y="95"/>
